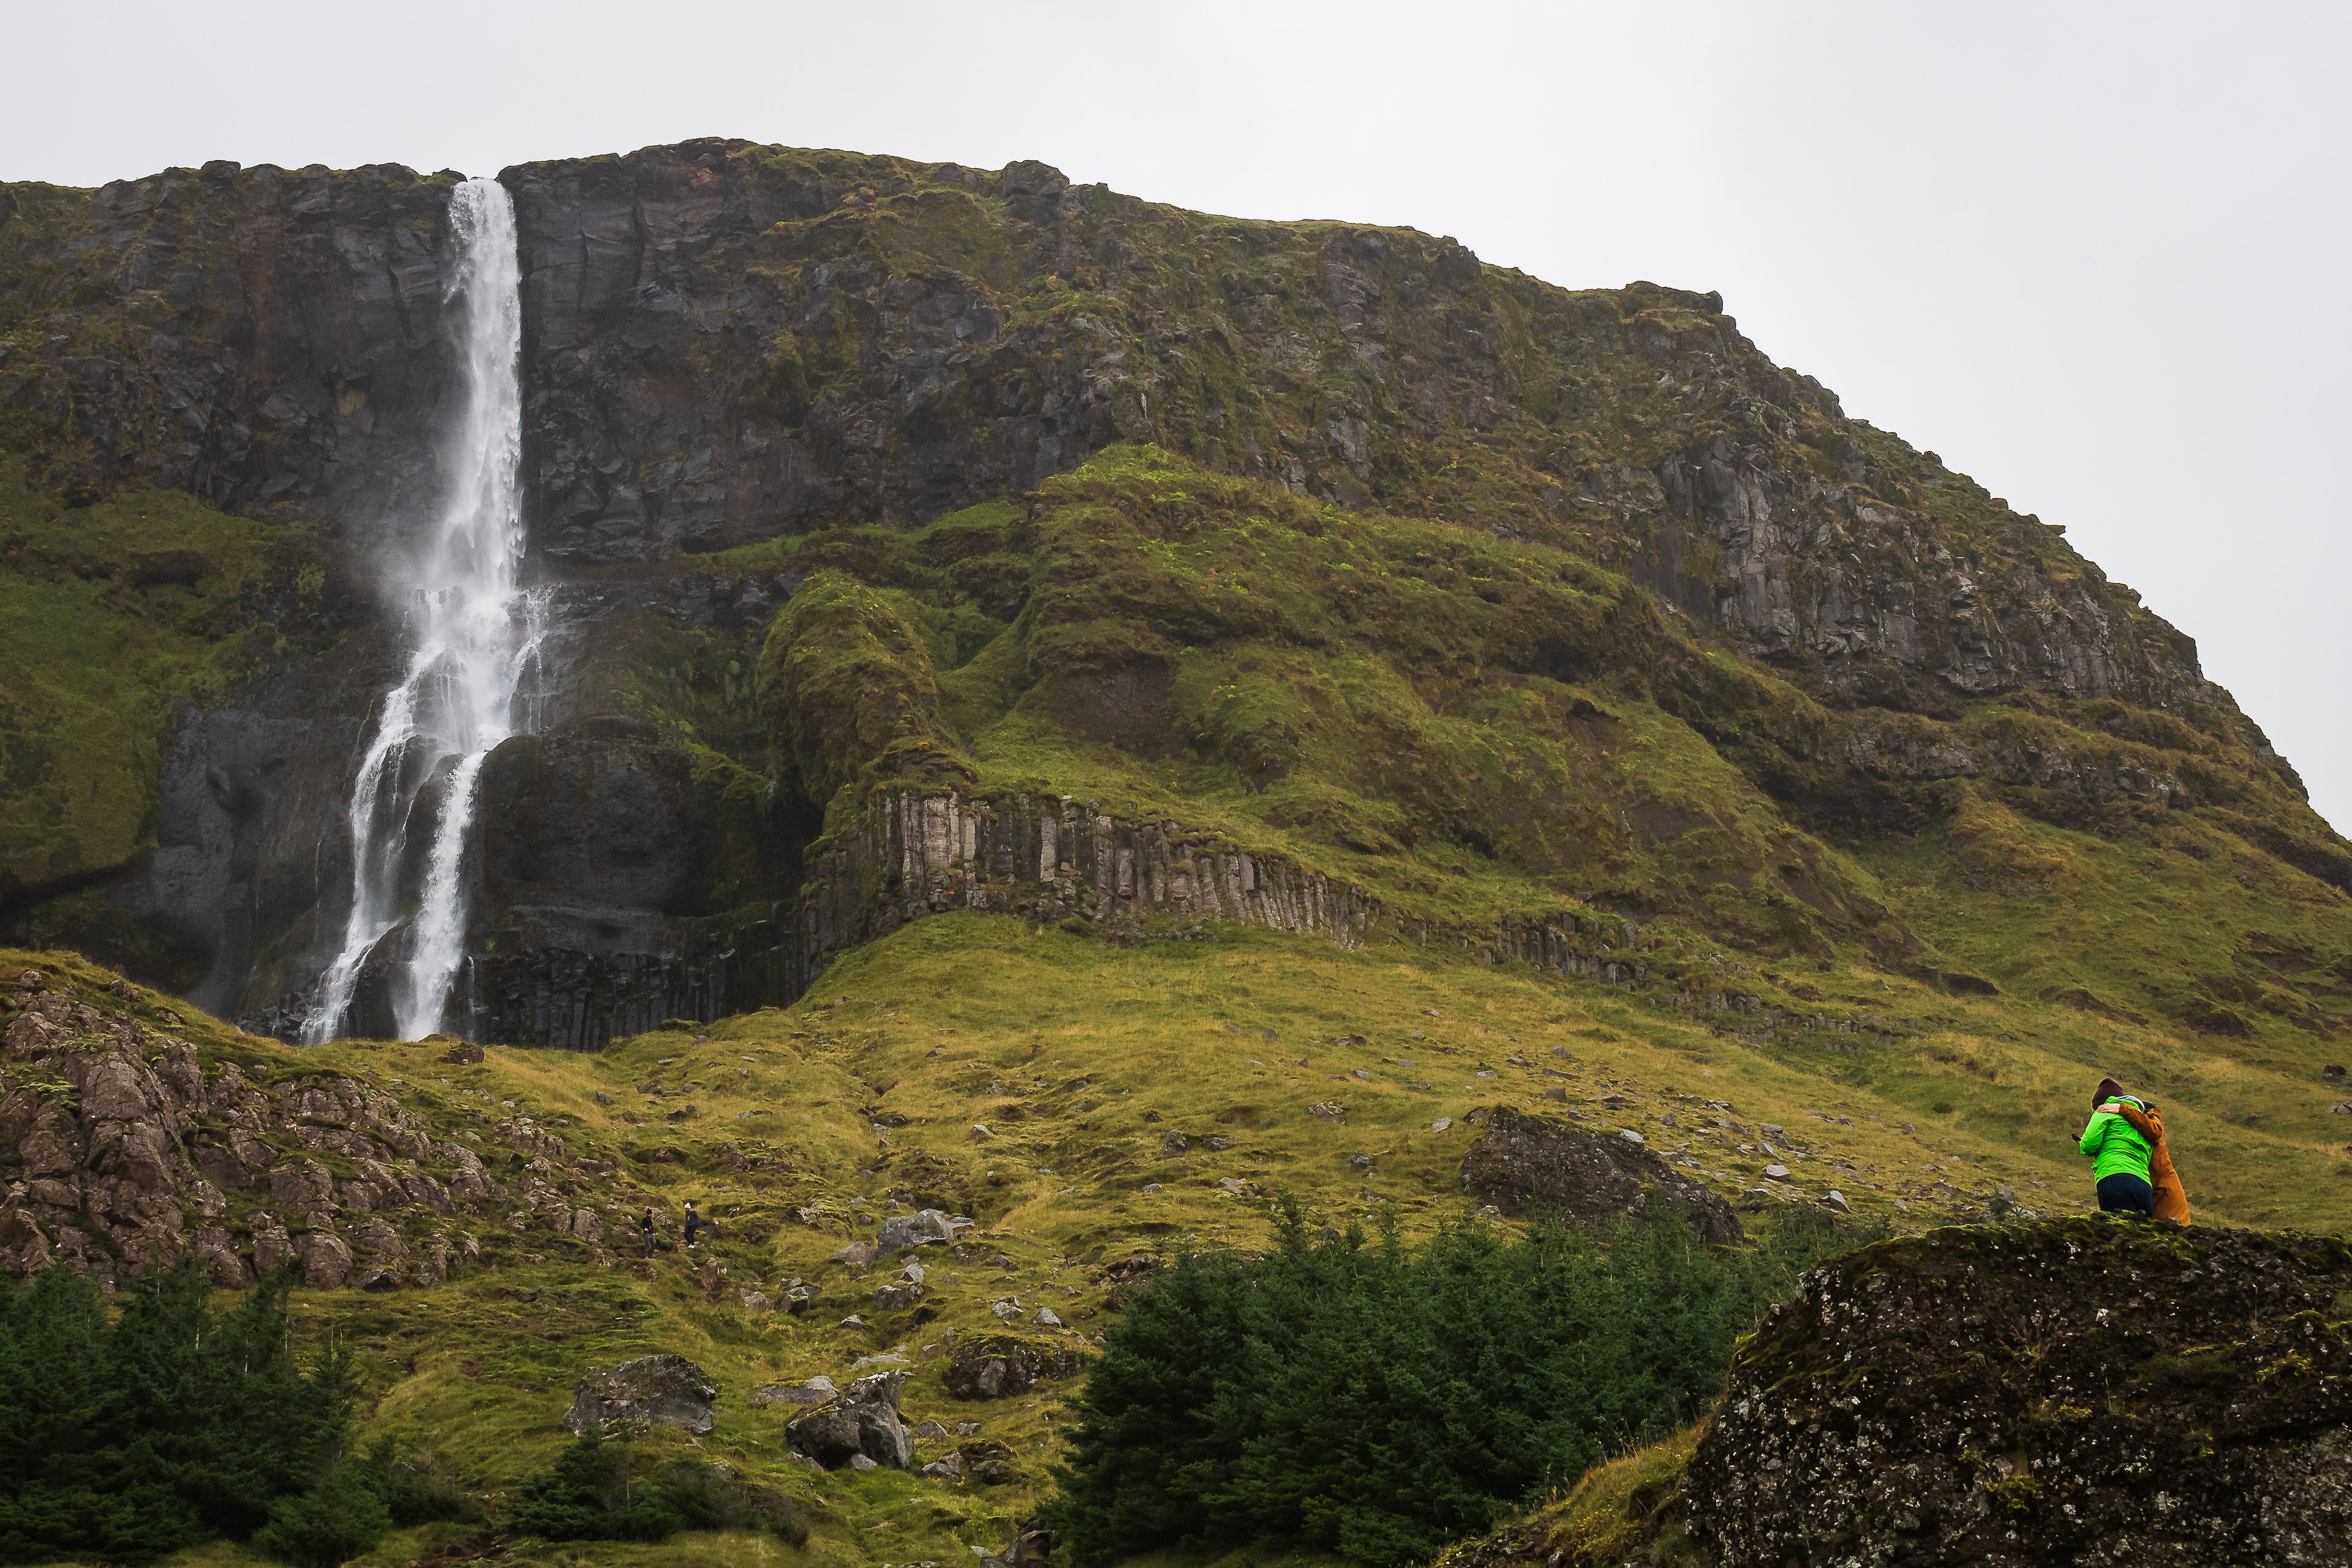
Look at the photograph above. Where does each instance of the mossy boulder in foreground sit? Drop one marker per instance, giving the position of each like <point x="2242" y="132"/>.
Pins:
<point x="2081" y="1391"/>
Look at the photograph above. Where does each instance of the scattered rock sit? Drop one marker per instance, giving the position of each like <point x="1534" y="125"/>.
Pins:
<point x="901" y="1298"/>
<point x="1174" y="1143"/>
<point x="1777" y="1172"/>
<point x="857" y="1253"/>
<point x="663" y="1390"/>
<point x="326" y="1259"/>
<point x="1441" y="1124"/>
<point x="987" y="1462"/>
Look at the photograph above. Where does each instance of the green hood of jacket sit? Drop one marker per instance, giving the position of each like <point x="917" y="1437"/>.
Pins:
<point x="2115" y="1145"/>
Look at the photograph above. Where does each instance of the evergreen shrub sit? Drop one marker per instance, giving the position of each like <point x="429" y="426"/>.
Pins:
<point x="1377" y="1401"/>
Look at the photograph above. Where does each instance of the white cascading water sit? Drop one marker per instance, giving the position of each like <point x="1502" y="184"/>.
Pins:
<point x="475" y="635"/>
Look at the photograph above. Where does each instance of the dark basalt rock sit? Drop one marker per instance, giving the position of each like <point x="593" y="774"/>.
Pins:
<point x="864" y="1420"/>
<point x="2080" y="1391"/>
<point x="287" y="349"/>
<point x="1524" y="1164"/>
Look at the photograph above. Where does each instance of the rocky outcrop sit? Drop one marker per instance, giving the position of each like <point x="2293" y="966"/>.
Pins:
<point x="1527" y="1166"/>
<point x="123" y="1149"/>
<point x="924" y="1227"/>
<point x="664" y="1390"/>
<point x="1049" y="858"/>
<point x="2080" y="1391"/>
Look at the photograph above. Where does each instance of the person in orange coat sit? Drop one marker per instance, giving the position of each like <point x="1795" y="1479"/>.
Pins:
<point x="2171" y="1196"/>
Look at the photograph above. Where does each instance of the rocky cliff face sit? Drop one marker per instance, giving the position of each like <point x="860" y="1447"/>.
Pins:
<point x="261" y="337"/>
<point x="725" y="344"/>
<point x="728" y="341"/>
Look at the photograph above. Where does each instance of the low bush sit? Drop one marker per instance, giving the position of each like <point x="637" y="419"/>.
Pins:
<point x="593" y="1494"/>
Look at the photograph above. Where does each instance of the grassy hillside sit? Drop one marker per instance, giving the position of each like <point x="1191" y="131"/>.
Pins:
<point x="795" y="1128"/>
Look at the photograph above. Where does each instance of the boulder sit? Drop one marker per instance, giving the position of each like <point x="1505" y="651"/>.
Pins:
<point x="326" y="1260"/>
<point x="1523" y="1164"/>
<point x="922" y="1228"/>
<point x="663" y="1390"/>
<point x="860" y="1423"/>
<point x="987" y="1462"/>
<point x="995" y="1366"/>
<point x="2071" y="1391"/>
<point x="816" y="1391"/>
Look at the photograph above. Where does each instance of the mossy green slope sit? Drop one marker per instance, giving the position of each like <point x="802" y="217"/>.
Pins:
<point x="112" y="617"/>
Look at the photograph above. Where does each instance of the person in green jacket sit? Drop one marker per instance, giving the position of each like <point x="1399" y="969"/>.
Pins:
<point x="2120" y="1155"/>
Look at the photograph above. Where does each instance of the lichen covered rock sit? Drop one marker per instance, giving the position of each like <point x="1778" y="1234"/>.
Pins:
<point x="2079" y="1391"/>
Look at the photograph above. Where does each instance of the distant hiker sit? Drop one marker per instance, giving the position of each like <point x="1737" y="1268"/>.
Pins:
<point x="693" y="1222"/>
<point x="645" y="1230"/>
<point x="2130" y="1159"/>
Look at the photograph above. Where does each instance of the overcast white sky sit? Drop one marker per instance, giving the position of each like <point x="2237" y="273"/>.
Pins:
<point x="2094" y="255"/>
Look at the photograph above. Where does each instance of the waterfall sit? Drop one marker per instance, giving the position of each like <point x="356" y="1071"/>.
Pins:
<point x="474" y="638"/>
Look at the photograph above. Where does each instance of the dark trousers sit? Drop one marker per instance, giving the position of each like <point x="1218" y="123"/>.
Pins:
<point x="649" y="1244"/>
<point x="2120" y="1193"/>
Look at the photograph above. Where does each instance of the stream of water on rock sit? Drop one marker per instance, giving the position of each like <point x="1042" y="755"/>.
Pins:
<point x="475" y="635"/>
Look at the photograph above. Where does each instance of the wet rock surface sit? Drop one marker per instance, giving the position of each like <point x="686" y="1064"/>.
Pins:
<point x="1524" y="1164"/>
<point x="2072" y="1392"/>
